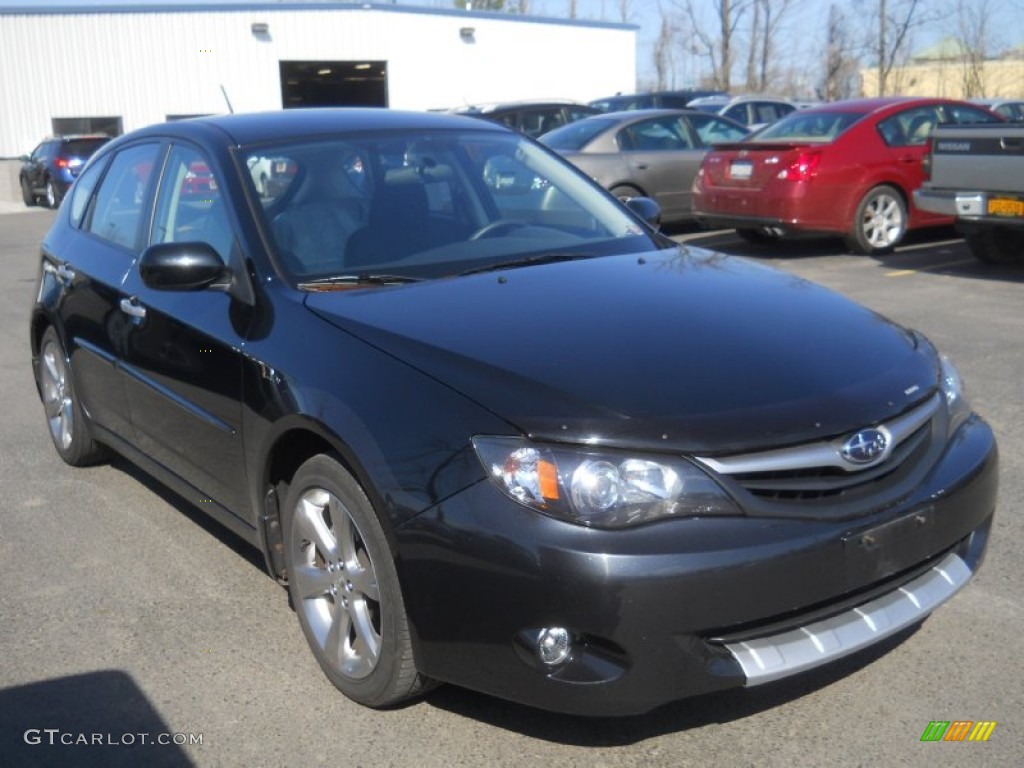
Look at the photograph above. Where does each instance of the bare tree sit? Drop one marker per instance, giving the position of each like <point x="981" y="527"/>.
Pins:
<point x="720" y="46"/>
<point x="895" y="21"/>
<point x="625" y="10"/>
<point x="974" y="44"/>
<point x="840" y="58"/>
<point x="481" y="5"/>
<point x="665" y="52"/>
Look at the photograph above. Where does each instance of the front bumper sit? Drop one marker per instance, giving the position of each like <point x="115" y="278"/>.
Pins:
<point x="682" y="607"/>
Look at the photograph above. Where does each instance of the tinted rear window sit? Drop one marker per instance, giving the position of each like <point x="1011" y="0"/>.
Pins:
<point x="577" y="135"/>
<point x="809" y="126"/>
<point x="81" y="147"/>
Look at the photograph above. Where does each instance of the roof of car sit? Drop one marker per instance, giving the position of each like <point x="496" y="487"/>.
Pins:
<point x="875" y="103"/>
<point x="255" y="127"/>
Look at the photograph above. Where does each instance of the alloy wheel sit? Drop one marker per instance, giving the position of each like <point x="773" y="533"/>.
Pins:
<point x="882" y="221"/>
<point x="57" y="395"/>
<point x="336" y="583"/>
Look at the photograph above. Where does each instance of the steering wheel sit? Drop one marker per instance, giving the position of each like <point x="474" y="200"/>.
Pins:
<point x="497" y="226"/>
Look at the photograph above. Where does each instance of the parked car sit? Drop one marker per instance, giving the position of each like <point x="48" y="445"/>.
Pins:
<point x="752" y="111"/>
<point x="1009" y="109"/>
<point x="622" y="102"/>
<point x="645" y="153"/>
<point x="496" y="431"/>
<point x="847" y="168"/>
<point x="531" y="118"/>
<point x="53" y="166"/>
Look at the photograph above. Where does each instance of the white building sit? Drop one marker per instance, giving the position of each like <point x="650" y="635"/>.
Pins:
<point x="113" y="68"/>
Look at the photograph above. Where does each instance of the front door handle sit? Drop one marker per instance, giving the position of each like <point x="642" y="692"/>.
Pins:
<point x="132" y="307"/>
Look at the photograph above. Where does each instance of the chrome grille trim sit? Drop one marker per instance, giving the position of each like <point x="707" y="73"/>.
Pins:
<point x="826" y="453"/>
<point x="773" y="657"/>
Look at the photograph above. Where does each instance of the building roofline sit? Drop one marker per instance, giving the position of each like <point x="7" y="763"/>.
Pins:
<point x="264" y="6"/>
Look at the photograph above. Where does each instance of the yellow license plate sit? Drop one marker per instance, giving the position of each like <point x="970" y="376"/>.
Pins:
<point x="1003" y="206"/>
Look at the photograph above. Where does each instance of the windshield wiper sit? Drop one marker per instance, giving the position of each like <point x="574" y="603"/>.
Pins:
<point x="527" y="261"/>
<point x="365" y="278"/>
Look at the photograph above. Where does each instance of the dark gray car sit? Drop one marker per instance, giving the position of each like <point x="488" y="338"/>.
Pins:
<point x="645" y="153"/>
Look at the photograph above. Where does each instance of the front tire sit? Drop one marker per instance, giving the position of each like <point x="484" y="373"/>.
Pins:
<point x="69" y="427"/>
<point x="880" y="222"/>
<point x="344" y="586"/>
<point x="626" y="192"/>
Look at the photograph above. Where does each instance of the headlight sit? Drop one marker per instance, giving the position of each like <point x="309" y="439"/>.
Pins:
<point x="599" y="488"/>
<point x="953" y="390"/>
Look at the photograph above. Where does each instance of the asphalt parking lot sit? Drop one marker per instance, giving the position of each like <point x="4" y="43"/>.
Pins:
<point x="124" y="611"/>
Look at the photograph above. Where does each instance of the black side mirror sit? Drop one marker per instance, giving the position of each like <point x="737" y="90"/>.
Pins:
<point x="183" y="267"/>
<point x="646" y="208"/>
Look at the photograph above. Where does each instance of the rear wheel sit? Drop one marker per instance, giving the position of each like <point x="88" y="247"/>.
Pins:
<point x="52" y="195"/>
<point x="26" y="193"/>
<point x="996" y="245"/>
<point x="70" y="428"/>
<point x="344" y="586"/>
<point x="625" y="192"/>
<point x="880" y="221"/>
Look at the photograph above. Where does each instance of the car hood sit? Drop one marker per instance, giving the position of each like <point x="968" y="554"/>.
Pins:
<point x="676" y="350"/>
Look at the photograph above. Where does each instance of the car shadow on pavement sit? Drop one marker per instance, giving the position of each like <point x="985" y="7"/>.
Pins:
<point x="229" y="538"/>
<point x="95" y="719"/>
<point x="684" y="715"/>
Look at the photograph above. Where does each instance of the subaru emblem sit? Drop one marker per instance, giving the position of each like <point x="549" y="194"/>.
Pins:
<point x="866" y="446"/>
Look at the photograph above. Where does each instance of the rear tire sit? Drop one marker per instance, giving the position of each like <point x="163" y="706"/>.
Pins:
<point x="26" y="193"/>
<point x="880" y="222"/>
<point x="52" y="195"/>
<point x="996" y="245"/>
<point x="625" y="192"/>
<point x="70" y="428"/>
<point x="344" y="586"/>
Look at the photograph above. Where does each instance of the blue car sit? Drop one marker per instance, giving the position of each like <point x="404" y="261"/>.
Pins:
<point x="49" y="171"/>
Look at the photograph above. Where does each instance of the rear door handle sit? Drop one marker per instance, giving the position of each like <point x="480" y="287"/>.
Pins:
<point x="640" y="166"/>
<point x="132" y="307"/>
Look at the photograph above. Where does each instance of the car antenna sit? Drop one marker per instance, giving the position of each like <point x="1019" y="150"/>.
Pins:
<point x="231" y="110"/>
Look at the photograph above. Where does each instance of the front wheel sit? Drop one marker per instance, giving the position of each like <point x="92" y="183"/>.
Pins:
<point x="880" y="222"/>
<point x="70" y="428"/>
<point x="626" y="192"/>
<point x="344" y="586"/>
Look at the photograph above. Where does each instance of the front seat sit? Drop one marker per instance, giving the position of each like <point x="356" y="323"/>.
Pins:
<point x="399" y="225"/>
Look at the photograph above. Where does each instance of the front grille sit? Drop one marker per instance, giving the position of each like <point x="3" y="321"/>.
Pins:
<point x="819" y="475"/>
<point x="813" y="483"/>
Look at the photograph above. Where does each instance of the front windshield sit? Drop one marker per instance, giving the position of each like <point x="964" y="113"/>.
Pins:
<point x="810" y="125"/>
<point x="429" y="204"/>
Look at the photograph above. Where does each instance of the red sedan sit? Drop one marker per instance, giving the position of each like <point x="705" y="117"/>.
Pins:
<point x="846" y="168"/>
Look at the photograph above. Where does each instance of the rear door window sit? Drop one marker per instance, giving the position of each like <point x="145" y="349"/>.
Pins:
<point x="118" y="212"/>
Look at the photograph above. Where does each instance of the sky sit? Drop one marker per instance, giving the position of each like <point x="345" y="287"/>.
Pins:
<point x="803" y="27"/>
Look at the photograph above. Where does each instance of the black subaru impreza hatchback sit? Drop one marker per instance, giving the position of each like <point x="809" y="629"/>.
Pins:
<point x="487" y="425"/>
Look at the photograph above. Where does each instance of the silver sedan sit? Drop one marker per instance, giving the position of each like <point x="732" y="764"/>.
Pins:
<point x="645" y="153"/>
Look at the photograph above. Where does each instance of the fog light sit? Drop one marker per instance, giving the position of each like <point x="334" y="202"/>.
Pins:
<point x="553" y="645"/>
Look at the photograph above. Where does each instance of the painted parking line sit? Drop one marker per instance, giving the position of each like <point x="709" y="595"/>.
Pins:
<point x="930" y="268"/>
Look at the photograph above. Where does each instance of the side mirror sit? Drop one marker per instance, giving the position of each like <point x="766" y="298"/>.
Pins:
<point x="183" y="267"/>
<point x="646" y="208"/>
<point x="24" y="158"/>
